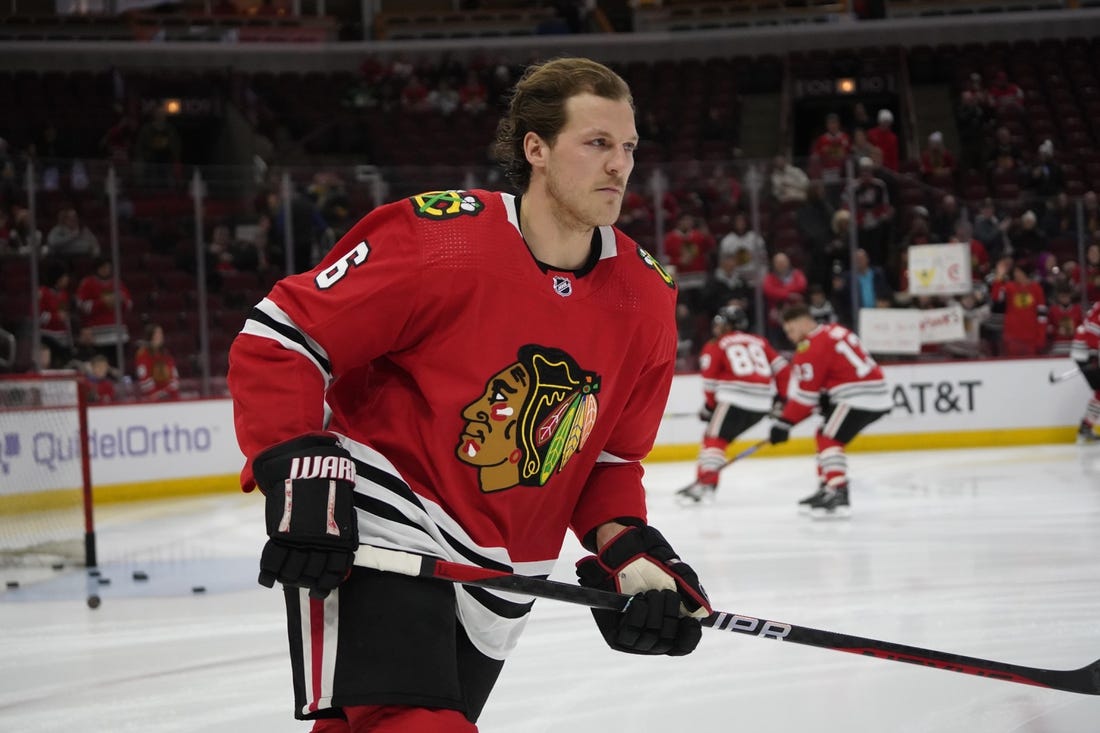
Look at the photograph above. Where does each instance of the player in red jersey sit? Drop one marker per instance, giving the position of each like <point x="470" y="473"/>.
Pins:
<point x="1085" y="350"/>
<point x="742" y="377"/>
<point x="466" y="375"/>
<point x="830" y="371"/>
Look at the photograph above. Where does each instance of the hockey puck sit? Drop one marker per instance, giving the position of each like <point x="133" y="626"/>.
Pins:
<point x="58" y="566"/>
<point x="140" y="575"/>
<point x="94" y="572"/>
<point x="93" y="601"/>
<point x="13" y="584"/>
<point x="198" y="589"/>
<point x="104" y="581"/>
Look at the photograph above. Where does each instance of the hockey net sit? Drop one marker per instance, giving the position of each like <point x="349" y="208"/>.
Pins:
<point x="45" y="472"/>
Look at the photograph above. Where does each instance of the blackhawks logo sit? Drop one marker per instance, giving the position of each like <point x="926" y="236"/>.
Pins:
<point x="446" y="204"/>
<point x="532" y="418"/>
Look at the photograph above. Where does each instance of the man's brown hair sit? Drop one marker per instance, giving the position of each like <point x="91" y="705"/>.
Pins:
<point x="795" y="311"/>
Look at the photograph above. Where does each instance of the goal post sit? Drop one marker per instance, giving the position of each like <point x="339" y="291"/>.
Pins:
<point x="46" y="515"/>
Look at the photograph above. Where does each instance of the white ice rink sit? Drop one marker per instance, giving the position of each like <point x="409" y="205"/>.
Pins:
<point x="988" y="553"/>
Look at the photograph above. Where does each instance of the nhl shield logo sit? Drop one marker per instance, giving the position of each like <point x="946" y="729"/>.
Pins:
<point x="563" y="286"/>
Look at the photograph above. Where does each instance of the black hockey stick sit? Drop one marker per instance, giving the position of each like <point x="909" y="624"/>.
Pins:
<point x="1054" y="379"/>
<point x="743" y="454"/>
<point x="1085" y="680"/>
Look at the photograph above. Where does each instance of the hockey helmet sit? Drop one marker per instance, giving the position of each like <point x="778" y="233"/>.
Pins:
<point x="732" y="317"/>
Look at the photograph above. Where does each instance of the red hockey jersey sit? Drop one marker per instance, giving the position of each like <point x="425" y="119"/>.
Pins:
<point x="742" y="369"/>
<point x="832" y="361"/>
<point x="489" y="401"/>
<point x="1086" y="340"/>
<point x="157" y="376"/>
<point x="54" y="308"/>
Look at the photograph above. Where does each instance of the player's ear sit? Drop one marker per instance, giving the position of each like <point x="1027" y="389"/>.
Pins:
<point x="535" y="149"/>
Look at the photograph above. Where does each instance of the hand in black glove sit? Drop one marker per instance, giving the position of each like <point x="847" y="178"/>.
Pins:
<point x="706" y="412"/>
<point x="663" y="614"/>
<point x="780" y="432"/>
<point x="308" y="482"/>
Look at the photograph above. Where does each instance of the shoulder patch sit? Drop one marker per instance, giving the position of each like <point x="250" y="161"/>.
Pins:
<point x="441" y="205"/>
<point x="652" y="262"/>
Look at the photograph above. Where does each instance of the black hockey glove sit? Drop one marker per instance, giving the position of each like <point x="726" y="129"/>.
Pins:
<point x="706" y="412"/>
<point x="308" y="482"/>
<point x="780" y="432"/>
<point x="667" y="603"/>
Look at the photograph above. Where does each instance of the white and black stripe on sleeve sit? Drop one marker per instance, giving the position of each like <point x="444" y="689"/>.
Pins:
<point x="267" y="320"/>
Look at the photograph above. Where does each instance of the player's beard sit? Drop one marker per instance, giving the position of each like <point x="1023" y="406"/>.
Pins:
<point x="580" y="207"/>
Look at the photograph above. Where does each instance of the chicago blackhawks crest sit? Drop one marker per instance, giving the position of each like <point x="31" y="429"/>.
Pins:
<point x="441" y="205"/>
<point x="533" y="417"/>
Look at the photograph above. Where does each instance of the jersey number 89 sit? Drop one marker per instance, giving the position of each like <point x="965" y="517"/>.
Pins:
<point x="748" y="359"/>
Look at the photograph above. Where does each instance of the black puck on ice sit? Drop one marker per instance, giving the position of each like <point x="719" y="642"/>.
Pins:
<point x="94" y="572"/>
<point x="93" y="601"/>
<point x="198" y="589"/>
<point x="12" y="584"/>
<point x="140" y="575"/>
<point x="104" y="581"/>
<point x="58" y="566"/>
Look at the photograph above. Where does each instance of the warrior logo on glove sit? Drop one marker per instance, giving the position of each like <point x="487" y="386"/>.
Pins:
<point x="534" y="415"/>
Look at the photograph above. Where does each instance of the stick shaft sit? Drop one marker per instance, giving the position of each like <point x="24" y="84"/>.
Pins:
<point x="1084" y="681"/>
<point x="1054" y="379"/>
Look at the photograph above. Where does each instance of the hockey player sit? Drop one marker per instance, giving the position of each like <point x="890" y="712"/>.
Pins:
<point x="466" y="375"/>
<point x="1085" y="350"/>
<point x="743" y="376"/>
<point x="830" y="371"/>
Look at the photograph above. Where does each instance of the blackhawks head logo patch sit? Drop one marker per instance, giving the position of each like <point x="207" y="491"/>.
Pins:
<point x="441" y="205"/>
<point x="533" y="417"/>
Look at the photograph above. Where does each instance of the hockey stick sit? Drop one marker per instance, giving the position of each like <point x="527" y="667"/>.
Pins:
<point x="743" y="454"/>
<point x="1062" y="377"/>
<point x="1085" y="680"/>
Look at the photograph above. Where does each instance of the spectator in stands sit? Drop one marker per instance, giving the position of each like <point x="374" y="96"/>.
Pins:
<point x="1063" y="317"/>
<point x="99" y="386"/>
<point x="990" y="228"/>
<point x="874" y="213"/>
<point x="821" y="308"/>
<point x="937" y="163"/>
<point x="724" y="287"/>
<point x="860" y="119"/>
<point x="96" y="298"/>
<point x="414" y="95"/>
<point x="833" y="258"/>
<point x="1092" y="273"/>
<point x="883" y="137"/>
<point x="1059" y="220"/>
<point x="1004" y="93"/>
<point x="869" y="281"/>
<point x="444" y="99"/>
<point x="1005" y="157"/>
<point x="1027" y="239"/>
<point x="862" y="148"/>
<point x="789" y="182"/>
<point x="305" y="226"/>
<point x="784" y="285"/>
<point x="158" y="151"/>
<point x="6" y="235"/>
<point x="652" y="130"/>
<point x="155" y="367"/>
<point x="976" y="86"/>
<point x="830" y="150"/>
<point x="473" y="95"/>
<point x="814" y="218"/>
<point x="971" y="121"/>
<point x="1022" y="301"/>
<point x="55" y="310"/>
<point x="688" y="249"/>
<point x="1045" y="179"/>
<point x="47" y="151"/>
<point x="70" y="238"/>
<point x="944" y="218"/>
<point x="1091" y="206"/>
<point x="746" y="247"/>
<point x="84" y="349"/>
<point x="976" y="311"/>
<point x="24" y="238"/>
<point x="979" y="257"/>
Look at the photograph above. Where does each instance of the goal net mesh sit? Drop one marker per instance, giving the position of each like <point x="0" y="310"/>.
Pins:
<point x="43" y="492"/>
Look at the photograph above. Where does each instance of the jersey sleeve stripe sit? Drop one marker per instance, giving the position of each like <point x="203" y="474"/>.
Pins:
<point x="269" y="321"/>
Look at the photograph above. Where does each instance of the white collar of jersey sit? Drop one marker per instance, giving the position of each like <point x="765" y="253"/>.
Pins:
<point x="607" y="234"/>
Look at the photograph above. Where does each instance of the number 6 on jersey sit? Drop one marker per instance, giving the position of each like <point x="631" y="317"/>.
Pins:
<point x="336" y="271"/>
